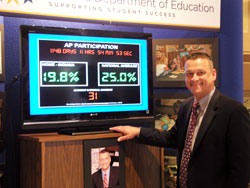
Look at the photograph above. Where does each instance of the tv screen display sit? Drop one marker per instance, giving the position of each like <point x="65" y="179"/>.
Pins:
<point x="78" y="77"/>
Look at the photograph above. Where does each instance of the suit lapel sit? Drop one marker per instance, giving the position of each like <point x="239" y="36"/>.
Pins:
<point x="187" y="111"/>
<point x="207" y="119"/>
<point x="100" y="181"/>
<point x="111" y="177"/>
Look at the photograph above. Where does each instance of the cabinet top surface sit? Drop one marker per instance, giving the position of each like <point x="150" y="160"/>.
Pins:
<point x="53" y="137"/>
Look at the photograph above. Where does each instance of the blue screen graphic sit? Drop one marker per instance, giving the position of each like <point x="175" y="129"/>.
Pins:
<point x="84" y="74"/>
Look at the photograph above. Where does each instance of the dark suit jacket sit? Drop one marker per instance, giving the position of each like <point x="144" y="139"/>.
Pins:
<point x="97" y="181"/>
<point x="221" y="153"/>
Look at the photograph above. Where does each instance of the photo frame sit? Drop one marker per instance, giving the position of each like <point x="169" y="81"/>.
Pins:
<point x="92" y="171"/>
<point x="170" y="168"/>
<point x="169" y="56"/>
<point x="2" y="72"/>
<point x="166" y="107"/>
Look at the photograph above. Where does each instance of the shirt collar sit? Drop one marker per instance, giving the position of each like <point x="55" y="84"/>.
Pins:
<point x="107" y="172"/>
<point x="205" y="100"/>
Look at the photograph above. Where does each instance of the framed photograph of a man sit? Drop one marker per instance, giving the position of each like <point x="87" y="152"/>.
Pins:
<point x="169" y="56"/>
<point x="104" y="164"/>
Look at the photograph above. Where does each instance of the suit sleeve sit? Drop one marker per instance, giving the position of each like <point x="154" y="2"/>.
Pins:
<point x="159" y="138"/>
<point x="238" y="147"/>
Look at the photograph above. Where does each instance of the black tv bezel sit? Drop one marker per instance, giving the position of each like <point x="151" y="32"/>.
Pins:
<point x="105" y="119"/>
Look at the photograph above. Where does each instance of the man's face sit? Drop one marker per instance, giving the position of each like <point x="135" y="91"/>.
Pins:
<point x="199" y="77"/>
<point x="104" y="160"/>
<point x="158" y="54"/>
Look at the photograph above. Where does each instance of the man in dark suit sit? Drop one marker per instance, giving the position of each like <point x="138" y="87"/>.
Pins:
<point x="217" y="154"/>
<point x="106" y="176"/>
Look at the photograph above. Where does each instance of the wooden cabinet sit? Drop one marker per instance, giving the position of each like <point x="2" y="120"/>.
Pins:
<point x="52" y="160"/>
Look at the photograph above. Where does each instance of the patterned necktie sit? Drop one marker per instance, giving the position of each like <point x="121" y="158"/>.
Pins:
<point x="188" y="144"/>
<point x="105" y="181"/>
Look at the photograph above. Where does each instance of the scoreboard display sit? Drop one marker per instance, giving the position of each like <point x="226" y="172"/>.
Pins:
<point x="98" y="73"/>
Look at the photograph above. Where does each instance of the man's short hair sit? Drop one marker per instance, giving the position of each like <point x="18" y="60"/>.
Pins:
<point x="201" y="55"/>
<point x="104" y="151"/>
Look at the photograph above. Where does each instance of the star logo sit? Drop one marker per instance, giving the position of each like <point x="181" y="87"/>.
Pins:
<point x="25" y="1"/>
<point x="11" y="0"/>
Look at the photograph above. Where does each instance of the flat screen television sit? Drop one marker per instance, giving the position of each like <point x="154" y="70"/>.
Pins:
<point x="89" y="79"/>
